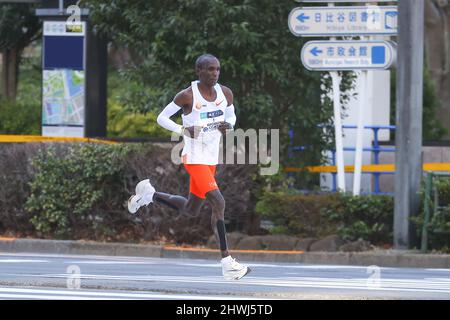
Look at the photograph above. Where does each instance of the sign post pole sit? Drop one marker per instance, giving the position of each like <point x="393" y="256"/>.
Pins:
<point x="359" y="134"/>
<point x="338" y="131"/>
<point x="340" y="162"/>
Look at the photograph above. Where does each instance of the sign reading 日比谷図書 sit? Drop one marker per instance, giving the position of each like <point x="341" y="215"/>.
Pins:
<point x="343" y="21"/>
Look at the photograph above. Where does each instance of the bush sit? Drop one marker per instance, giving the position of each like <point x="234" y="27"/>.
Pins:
<point x="79" y="191"/>
<point x="439" y="223"/>
<point x="16" y="172"/>
<point x="20" y="118"/>
<point x="317" y="215"/>
<point x="68" y="190"/>
<point x="367" y="217"/>
<point x="297" y="214"/>
<point x="129" y="124"/>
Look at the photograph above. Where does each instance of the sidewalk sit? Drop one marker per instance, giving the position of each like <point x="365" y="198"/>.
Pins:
<point x="381" y="258"/>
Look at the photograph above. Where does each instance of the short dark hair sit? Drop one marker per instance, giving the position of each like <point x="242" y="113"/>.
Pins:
<point x="201" y="61"/>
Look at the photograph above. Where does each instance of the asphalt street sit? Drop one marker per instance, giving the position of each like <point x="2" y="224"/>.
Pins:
<point x="69" y="277"/>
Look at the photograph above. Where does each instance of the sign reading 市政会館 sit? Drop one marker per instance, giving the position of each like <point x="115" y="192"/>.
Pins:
<point x="348" y="55"/>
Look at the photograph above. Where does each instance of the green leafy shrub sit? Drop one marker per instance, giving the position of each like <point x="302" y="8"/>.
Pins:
<point x="439" y="223"/>
<point x="69" y="185"/>
<point x="16" y="172"/>
<point x="129" y="124"/>
<point x="367" y="217"/>
<point x="316" y="215"/>
<point x="79" y="191"/>
<point x="20" y="118"/>
<point x="297" y="214"/>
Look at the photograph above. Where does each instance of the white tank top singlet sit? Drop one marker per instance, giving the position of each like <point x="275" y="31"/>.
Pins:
<point x="207" y="114"/>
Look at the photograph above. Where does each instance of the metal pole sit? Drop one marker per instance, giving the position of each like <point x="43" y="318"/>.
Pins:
<point x="408" y="118"/>
<point x="338" y="132"/>
<point x="338" y="127"/>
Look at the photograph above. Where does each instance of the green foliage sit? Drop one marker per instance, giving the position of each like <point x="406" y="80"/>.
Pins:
<point x="129" y="124"/>
<point x="367" y="217"/>
<point x="297" y="214"/>
<point x="316" y="215"/>
<point x="20" y="118"/>
<point x="29" y="89"/>
<point x="67" y="187"/>
<point x="439" y="223"/>
<point x="124" y="121"/>
<point x="24" y="115"/>
<point x="432" y="127"/>
<point x="18" y="25"/>
<point x="79" y="191"/>
<point x="259" y="59"/>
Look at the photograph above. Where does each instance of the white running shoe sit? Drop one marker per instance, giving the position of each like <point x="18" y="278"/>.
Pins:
<point x="233" y="270"/>
<point x="144" y="196"/>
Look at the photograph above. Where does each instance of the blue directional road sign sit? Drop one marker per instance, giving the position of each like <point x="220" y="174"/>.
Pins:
<point x="348" y="55"/>
<point x="343" y="21"/>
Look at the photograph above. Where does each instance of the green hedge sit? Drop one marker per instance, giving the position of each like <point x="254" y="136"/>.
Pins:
<point x="79" y="191"/>
<point x="317" y="215"/>
<point x="439" y="224"/>
<point x="366" y="217"/>
<point x="68" y="190"/>
<point x="297" y="214"/>
<point x="20" y="118"/>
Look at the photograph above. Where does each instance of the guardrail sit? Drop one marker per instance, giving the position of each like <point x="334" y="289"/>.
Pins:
<point x="376" y="149"/>
<point x="28" y="138"/>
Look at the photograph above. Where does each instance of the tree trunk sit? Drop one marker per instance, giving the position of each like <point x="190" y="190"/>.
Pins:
<point x="10" y="73"/>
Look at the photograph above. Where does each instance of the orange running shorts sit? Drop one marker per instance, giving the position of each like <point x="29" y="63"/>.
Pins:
<point x="201" y="179"/>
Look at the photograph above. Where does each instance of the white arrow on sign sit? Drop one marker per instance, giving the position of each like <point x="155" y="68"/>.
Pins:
<point x="343" y="21"/>
<point x="348" y="55"/>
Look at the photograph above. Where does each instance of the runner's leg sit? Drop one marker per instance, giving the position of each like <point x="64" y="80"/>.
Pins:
<point x="190" y="206"/>
<point x="217" y="202"/>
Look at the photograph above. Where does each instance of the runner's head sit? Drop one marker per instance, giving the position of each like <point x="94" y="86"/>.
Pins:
<point x="207" y="68"/>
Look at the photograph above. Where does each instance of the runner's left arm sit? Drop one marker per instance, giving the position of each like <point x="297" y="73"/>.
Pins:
<point x="230" y="116"/>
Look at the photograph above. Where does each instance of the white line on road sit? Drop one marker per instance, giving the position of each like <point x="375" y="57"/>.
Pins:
<point x="412" y="285"/>
<point x="22" y="261"/>
<point x="76" y="294"/>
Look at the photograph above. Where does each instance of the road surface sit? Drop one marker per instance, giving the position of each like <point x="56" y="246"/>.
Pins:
<point x="68" y="277"/>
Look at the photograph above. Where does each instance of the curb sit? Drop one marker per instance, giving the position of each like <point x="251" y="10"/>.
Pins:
<point x="78" y="247"/>
<point x="388" y="258"/>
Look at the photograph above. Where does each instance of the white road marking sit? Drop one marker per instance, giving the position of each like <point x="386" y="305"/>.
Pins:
<point x="77" y="295"/>
<point x="414" y="285"/>
<point x="278" y="266"/>
<point x="106" y="262"/>
<point x="399" y="280"/>
<point x="444" y="270"/>
<point x="22" y="261"/>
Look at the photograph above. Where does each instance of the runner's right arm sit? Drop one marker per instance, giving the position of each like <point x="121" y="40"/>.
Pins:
<point x="164" y="118"/>
<point x="183" y="99"/>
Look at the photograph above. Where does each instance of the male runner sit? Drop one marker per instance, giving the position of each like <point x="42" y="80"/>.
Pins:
<point x="208" y="111"/>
